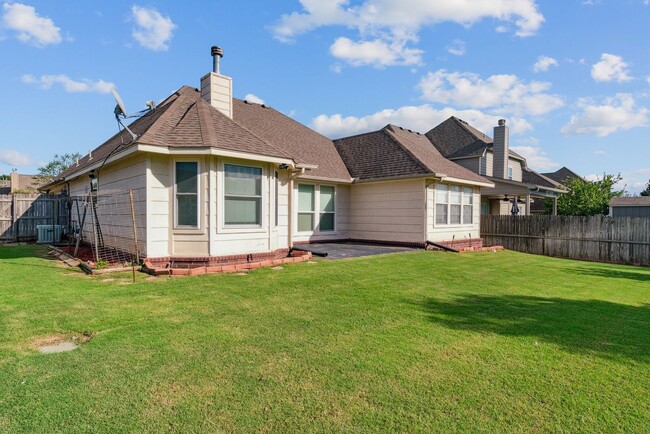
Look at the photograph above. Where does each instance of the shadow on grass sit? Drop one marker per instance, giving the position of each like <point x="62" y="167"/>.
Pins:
<point x="596" y="327"/>
<point x="640" y="274"/>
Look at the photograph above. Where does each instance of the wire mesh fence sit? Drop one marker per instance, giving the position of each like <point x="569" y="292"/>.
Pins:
<point x="109" y="227"/>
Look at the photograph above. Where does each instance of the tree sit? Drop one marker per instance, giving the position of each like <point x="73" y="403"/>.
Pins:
<point x="58" y="164"/>
<point x="587" y="198"/>
<point x="646" y="192"/>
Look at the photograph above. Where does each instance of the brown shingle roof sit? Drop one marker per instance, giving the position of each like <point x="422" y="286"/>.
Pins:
<point x="562" y="174"/>
<point x="455" y="138"/>
<point x="394" y="151"/>
<point x="630" y="201"/>
<point x="185" y="120"/>
<point x="305" y="145"/>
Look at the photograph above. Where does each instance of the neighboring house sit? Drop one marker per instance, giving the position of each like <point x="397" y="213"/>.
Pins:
<point x="630" y="206"/>
<point x="215" y="176"/>
<point x="514" y="181"/>
<point x="20" y="184"/>
<point x="560" y="176"/>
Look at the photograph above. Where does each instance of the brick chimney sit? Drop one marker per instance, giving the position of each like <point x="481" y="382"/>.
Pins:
<point x="500" y="150"/>
<point x="216" y="88"/>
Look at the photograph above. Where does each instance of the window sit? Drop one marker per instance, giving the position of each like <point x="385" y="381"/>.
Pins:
<point x="306" y="201"/>
<point x="187" y="194"/>
<point x="326" y="223"/>
<point x="454" y="205"/>
<point x="243" y="195"/>
<point x="509" y="172"/>
<point x="468" y="205"/>
<point x="455" y="200"/>
<point x="442" y="201"/>
<point x="309" y="215"/>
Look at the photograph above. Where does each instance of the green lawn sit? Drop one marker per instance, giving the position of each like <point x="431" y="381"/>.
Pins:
<point x="417" y="342"/>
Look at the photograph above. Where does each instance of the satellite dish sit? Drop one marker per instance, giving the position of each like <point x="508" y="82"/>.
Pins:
<point x="119" y="108"/>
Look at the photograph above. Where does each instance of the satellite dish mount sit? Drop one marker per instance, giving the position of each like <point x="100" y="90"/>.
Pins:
<point x="121" y="113"/>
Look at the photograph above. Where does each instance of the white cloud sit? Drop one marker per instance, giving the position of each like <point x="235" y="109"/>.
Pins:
<point x="15" y="158"/>
<point x="418" y="118"/>
<point x="153" y="31"/>
<point x="614" y="114"/>
<point x="635" y="180"/>
<point x="648" y="77"/>
<point x="504" y="93"/>
<point x="610" y="68"/>
<point x="536" y="158"/>
<point x="457" y="47"/>
<point x="378" y="53"/>
<point x="600" y="152"/>
<point x="31" y="28"/>
<point x="396" y="23"/>
<point x="544" y="63"/>
<point x="69" y="85"/>
<point x="253" y="98"/>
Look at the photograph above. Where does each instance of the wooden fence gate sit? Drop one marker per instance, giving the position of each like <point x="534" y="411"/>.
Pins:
<point x="20" y="214"/>
<point x="621" y="240"/>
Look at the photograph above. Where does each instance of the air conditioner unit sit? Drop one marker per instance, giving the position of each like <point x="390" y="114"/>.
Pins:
<point x="49" y="233"/>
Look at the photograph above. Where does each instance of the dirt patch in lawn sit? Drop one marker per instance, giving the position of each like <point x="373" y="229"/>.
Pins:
<point x="60" y="342"/>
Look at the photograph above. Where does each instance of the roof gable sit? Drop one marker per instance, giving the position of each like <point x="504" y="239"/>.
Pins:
<point x="394" y="152"/>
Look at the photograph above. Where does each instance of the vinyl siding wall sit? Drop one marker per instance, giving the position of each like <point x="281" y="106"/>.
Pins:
<point x="388" y="211"/>
<point x="473" y="164"/>
<point x="119" y="177"/>
<point x="516" y="169"/>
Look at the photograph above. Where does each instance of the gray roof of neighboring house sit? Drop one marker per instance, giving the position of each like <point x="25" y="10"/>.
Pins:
<point x="394" y="152"/>
<point x="455" y="138"/>
<point x="185" y="120"/>
<point x="562" y="174"/>
<point x="630" y="201"/>
<point x="531" y="177"/>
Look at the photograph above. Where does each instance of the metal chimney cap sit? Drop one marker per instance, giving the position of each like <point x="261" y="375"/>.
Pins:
<point x="502" y="122"/>
<point x="216" y="51"/>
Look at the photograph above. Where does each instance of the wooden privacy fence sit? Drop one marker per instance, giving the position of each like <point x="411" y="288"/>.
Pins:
<point x="20" y="214"/>
<point x="621" y="240"/>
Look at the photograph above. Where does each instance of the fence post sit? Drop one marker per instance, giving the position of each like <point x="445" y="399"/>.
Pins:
<point x="14" y="216"/>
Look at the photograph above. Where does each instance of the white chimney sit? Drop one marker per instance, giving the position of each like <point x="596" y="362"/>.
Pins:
<point x="500" y="150"/>
<point x="216" y="88"/>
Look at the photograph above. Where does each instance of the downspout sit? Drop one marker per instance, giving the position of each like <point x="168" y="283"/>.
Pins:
<point x="292" y="175"/>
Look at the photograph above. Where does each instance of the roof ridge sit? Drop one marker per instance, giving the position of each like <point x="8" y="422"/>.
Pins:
<point x="393" y="136"/>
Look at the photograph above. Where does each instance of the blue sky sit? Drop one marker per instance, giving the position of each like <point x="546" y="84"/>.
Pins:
<point x="572" y="77"/>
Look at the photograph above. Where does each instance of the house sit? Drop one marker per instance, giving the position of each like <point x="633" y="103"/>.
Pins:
<point x="630" y="206"/>
<point x="406" y="190"/>
<point x="218" y="177"/>
<point x="561" y="177"/>
<point x="20" y="184"/>
<point x="515" y="182"/>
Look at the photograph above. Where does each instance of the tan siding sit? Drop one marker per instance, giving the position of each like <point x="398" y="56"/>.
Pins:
<point x="375" y="208"/>
<point x="159" y="183"/>
<point x="516" y="169"/>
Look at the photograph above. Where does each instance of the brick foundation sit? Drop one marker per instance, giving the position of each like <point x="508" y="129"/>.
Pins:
<point x="195" y="266"/>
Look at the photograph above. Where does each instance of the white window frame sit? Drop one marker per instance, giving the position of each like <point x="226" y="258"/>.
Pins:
<point x="316" y="211"/>
<point x="198" y="196"/>
<point x="449" y="204"/>
<point x="510" y="172"/>
<point x="223" y="195"/>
